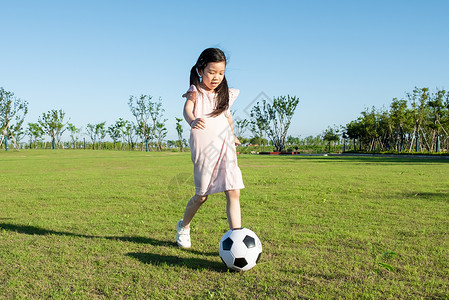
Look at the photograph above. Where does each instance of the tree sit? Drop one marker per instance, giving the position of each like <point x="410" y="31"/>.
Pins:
<point x="115" y="130"/>
<point x="418" y="99"/>
<point x="420" y="123"/>
<point x="101" y="131"/>
<point x="145" y="110"/>
<point x="401" y="122"/>
<point x="385" y="129"/>
<point x="97" y="133"/>
<point x="90" y="129"/>
<point x="52" y="123"/>
<point x="241" y="125"/>
<point x="292" y="141"/>
<point x="436" y="113"/>
<point x="12" y="114"/>
<point x="74" y="134"/>
<point x="129" y="133"/>
<point x="160" y="132"/>
<point x="257" y="140"/>
<point x="445" y="117"/>
<point x="275" y="118"/>
<point x="369" y="123"/>
<point x="258" y="128"/>
<point x="35" y="132"/>
<point x="353" y="131"/>
<point x="158" y="129"/>
<point x="331" y="135"/>
<point x="140" y="108"/>
<point x="172" y="144"/>
<point x="179" y="131"/>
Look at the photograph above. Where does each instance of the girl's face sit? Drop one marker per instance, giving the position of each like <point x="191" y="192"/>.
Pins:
<point x="212" y="75"/>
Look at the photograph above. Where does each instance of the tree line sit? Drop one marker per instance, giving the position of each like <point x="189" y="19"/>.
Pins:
<point x="419" y="122"/>
<point x="270" y="118"/>
<point x="148" y="127"/>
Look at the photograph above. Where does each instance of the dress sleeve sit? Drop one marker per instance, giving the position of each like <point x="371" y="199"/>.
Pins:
<point x="191" y="93"/>
<point x="233" y="94"/>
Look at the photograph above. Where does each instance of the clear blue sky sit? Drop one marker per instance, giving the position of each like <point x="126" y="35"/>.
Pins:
<point x="338" y="57"/>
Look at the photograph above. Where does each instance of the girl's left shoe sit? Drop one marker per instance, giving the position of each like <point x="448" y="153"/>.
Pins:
<point x="182" y="236"/>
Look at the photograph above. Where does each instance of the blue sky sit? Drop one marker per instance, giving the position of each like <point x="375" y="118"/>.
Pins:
<point x="338" y="57"/>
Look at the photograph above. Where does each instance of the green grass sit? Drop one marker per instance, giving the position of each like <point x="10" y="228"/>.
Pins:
<point x="100" y="224"/>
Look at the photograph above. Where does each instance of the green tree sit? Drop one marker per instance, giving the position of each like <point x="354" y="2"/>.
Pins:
<point x="129" y="134"/>
<point x="148" y="115"/>
<point x="257" y="140"/>
<point x="436" y="113"/>
<point x="418" y="99"/>
<point x="97" y="133"/>
<point x="140" y="108"/>
<point x="241" y="125"/>
<point x="179" y="130"/>
<point x="353" y="131"/>
<point x="74" y="134"/>
<point x="292" y="141"/>
<point x="370" y="133"/>
<point x="115" y="131"/>
<point x="444" y="122"/>
<point x="275" y="118"/>
<point x="12" y="114"/>
<point x="401" y="122"/>
<point x="258" y="128"/>
<point x="419" y="123"/>
<point x="160" y="132"/>
<point x="52" y="123"/>
<point x="35" y="132"/>
<point x="90" y="129"/>
<point x="384" y="129"/>
<point x="331" y="135"/>
<point x="158" y="129"/>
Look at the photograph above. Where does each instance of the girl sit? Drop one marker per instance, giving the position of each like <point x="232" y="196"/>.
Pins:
<point x="212" y="140"/>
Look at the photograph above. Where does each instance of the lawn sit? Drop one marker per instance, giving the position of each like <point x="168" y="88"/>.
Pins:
<point x="101" y="224"/>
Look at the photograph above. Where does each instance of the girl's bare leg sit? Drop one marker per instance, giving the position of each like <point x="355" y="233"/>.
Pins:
<point x="233" y="209"/>
<point x="192" y="207"/>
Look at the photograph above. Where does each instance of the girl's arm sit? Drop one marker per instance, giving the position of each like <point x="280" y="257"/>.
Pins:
<point x="231" y="124"/>
<point x="195" y="123"/>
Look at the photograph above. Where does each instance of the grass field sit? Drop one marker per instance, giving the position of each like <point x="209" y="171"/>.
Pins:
<point x="101" y="224"/>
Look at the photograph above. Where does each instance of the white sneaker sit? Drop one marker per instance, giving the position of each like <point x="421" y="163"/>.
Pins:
<point x="182" y="235"/>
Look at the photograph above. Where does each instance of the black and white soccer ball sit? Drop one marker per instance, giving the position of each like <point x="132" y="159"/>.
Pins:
<point x="240" y="249"/>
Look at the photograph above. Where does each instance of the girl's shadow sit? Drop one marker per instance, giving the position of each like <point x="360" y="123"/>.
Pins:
<point x="170" y="260"/>
<point x="148" y="258"/>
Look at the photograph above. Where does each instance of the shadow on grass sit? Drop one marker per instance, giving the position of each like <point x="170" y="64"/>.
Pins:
<point x="192" y="263"/>
<point x="33" y="230"/>
<point x="431" y="196"/>
<point x="155" y="259"/>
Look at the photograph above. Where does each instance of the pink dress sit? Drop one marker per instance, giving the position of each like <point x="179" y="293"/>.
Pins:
<point x="212" y="149"/>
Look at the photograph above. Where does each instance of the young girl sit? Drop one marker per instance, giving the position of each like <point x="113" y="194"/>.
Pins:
<point x="212" y="140"/>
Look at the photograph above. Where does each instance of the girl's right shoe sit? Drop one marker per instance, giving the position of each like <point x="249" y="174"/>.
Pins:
<point x="182" y="236"/>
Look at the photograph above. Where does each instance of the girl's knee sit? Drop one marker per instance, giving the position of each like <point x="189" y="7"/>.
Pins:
<point x="200" y="199"/>
<point x="233" y="194"/>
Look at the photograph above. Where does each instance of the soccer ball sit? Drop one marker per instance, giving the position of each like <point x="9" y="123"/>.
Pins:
<point x="240" y="249"/>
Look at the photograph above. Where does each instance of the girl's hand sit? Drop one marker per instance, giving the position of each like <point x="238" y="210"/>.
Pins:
<point x="198" y="123"/>
<point x="236" y="141"/>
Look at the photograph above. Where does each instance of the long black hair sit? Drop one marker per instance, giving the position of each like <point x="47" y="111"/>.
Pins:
<point x="222" y="90"/>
